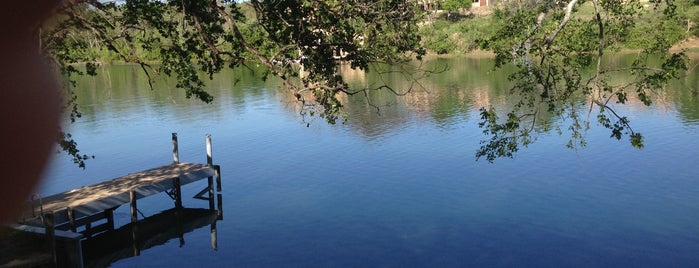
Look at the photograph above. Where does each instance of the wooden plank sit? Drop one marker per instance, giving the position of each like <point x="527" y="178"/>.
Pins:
<point x="96" y="198"/>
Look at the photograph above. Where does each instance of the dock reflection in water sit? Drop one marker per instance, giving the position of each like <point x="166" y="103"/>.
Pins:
<point x="129" y="240"/>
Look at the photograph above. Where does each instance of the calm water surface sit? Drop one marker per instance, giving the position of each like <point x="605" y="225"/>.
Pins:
<point x="400" y="186"/>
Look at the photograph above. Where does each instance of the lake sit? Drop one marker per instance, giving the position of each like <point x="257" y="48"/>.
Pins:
<point x="397" y="186"/>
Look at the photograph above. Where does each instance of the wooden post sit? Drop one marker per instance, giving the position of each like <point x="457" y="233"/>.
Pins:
<point x="210" y="161"/>
<point x="211" y="193"/>
<point x="175" y="149"/>
<point x="134" y="239"/>
<point x="134" y="208"/>
<point x="214" y="236"/>
<point x="134" y="221"/>
<point x="220" y="207"/>
<point x="178" y="193"/>
<point x="74" y="254"/>
<point x="71" y="218"/>
<point x="110" y="218"/>
<point x="51" y="234"/>
<point x="217" y="169"/>
<point x="209" y="150"/>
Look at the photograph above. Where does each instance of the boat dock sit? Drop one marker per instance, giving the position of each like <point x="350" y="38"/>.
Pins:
<point x="87" y="211"/>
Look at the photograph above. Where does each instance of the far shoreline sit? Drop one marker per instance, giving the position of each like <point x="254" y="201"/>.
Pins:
<point x="690" y="45"/>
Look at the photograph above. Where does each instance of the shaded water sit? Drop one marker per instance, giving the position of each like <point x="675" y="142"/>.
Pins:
<point x="398" y="186"/>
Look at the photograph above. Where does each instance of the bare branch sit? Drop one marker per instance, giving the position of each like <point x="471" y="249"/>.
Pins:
<point x="564" y="22"/>
<point x="600" y="52"/>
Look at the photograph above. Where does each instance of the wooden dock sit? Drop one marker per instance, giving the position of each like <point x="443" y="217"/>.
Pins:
<point x="94" y="199"/>
<point x="88" y="210"/>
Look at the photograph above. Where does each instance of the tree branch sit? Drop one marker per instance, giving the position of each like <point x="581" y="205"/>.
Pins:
<point x="564" y="22"/>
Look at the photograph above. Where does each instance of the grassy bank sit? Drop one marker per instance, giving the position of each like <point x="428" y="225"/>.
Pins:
<point x="461" y="33"/>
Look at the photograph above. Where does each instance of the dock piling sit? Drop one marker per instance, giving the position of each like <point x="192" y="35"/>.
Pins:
<point x="178" y="192"/>
<point x="214" y="236"/>
<point x="49" y="225"/>
<point x="71" y="219"/>
<point x="220" y="207"/>
<point x="134" y="208"/>
<point x="209" y="150"/>
<point x="217" y="170"/>
<point x="175" y="149"/>
<point x="210" y="161"/>
<point x="110" y="219"/>
<point x="211" y="193"/>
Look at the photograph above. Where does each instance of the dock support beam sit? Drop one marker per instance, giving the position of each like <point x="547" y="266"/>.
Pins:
<point x="214" y="236"/>
<point x="211" y="194"/>
<point x="134" y="221"/>
<point x="209" y="150"/>
<point x="210" y="161"/>
<point x="49" y="224"/>
<point x="71" y="219"/>
<point x="134" y="241"/>
<point x="217" y="169"/>
<point x="175" y="149"/>
<point x="178" y="193"/>
<point x="110" y="218"/>
<point x="220" y="207"/>
<point x="134" y="208"/>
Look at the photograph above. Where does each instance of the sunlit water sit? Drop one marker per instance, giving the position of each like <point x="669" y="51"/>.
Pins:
<point x="399" y="186"/>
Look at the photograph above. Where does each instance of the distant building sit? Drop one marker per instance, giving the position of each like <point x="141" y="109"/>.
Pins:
<point x="482" y="3"/>
<point x="428" y="4"/>
<point x="437" y="4"/>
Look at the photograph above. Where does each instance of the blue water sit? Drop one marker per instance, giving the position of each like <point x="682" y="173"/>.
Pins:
<point x="396" y="189"/>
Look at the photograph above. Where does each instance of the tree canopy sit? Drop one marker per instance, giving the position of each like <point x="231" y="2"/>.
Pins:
<point x="192" y="39"/>
<point x="550" y="43"/>
<point x="455" y="5"/>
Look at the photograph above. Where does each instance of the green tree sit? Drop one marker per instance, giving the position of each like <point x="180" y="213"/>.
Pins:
<point x="454" y="5"/>
<point x="300" y="41"/>
<point x="552" y="44"/>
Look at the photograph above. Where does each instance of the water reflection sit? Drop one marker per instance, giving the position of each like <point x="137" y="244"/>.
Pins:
<point x="129" y="240"/>
<point x="399" y="187"/>
<point x="450" y="98"/>
<point x="444" y="99"/>
<point x="687" y="98"/>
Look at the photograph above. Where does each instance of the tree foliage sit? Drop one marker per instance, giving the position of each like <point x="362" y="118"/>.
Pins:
<point x="455" y="5"/>
<point x="300" y="41"/>
<point x="552" y="44"/>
